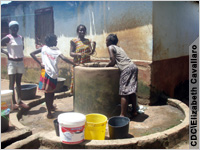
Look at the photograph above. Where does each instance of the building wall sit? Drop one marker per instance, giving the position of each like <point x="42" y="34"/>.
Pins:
<point x="131" y="21"/>
<point x="155" y="35"/>
<point x="175" y="28"/>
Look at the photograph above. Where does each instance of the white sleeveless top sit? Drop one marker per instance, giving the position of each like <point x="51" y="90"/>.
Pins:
<point x="15" y="47"/>
<point x="50" y="60"/>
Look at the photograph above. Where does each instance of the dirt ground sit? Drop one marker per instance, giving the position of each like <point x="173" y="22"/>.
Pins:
<point x="153" y="120"/>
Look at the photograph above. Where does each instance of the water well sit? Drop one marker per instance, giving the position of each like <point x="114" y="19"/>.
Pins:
<point x="96" y="89"/>
<point x="163" y="139"/>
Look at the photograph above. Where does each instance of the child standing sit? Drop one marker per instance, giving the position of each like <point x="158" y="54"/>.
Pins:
<point x="48" y="79"/>
<point x="15" y="54"/>
<point x="128" y="75"/>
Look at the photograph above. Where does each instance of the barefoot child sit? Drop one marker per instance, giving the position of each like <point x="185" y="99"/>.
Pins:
<point x="128" y="75"/>
<point x="15" y="54"/>
<point x="48" y="79"/>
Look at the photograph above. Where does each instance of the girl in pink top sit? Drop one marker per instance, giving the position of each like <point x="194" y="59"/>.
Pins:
<point x="15" y="47"/>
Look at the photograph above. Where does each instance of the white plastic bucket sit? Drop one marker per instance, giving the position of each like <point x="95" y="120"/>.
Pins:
<point x="6" y="99"/>
<point x="71" y="127"/>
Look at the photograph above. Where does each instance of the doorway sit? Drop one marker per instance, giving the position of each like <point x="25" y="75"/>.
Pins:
<point x="44" y="24"/>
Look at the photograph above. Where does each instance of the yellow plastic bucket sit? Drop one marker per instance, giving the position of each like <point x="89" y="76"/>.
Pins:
<point x="95" y="127"/>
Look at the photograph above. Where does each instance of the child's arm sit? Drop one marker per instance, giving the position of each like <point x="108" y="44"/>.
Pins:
<point x="66" y="60"/>
<point x="92" y="47"/>
<point x="23" y="42"/>
<point x="112" y="57"/>
<point x="4" y="41"/>
<point x="35" y="58"/>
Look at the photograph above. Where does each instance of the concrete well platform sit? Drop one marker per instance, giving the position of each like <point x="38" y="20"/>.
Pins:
<point x="156" y="128"/>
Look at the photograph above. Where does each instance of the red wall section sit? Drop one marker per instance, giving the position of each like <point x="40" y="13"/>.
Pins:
<point x="167" y="74"/>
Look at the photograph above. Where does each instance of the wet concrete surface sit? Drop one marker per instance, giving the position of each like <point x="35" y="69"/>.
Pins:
<point x="154" y="119"/>
<point x="36" y="117"/>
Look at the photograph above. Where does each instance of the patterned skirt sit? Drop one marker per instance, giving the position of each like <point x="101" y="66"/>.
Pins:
<point x="46" y="83"/>
<point x="128" y="80"/>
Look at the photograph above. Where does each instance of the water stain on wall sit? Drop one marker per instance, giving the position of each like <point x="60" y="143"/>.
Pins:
<point x="136" y="42"/>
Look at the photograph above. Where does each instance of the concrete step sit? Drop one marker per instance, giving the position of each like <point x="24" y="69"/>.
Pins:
<point x="14" y="136"/>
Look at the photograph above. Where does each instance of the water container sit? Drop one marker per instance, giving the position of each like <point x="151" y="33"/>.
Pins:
<point x="56" y="126"/>
<point x="95" y="127"/>
<point x="28" y="91"/>
<point x="5" y="119"/>
<point x="6" y="99"/>
<point x="71" y="127"/>
<point x="118" y="127"/>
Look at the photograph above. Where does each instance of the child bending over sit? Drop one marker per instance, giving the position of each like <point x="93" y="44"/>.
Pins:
<point x="128" y="74"/>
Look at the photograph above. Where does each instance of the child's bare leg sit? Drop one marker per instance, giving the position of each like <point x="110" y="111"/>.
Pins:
<point x="11" y="87"/>
<point x="53" y="107"/>
<point x="124" y="105"/>
<point x="18" y="86"/>
<point x="18" y="89"/>
<point x="48" y="100"/>
<point x="133" y="101"/>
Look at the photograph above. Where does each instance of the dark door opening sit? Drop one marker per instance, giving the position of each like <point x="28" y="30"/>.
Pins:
<point x="44" y="25"/>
